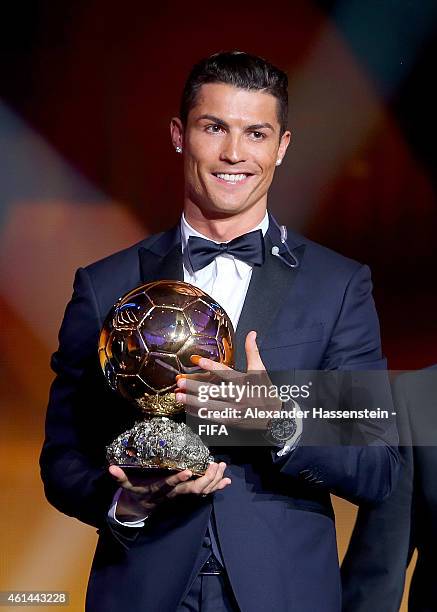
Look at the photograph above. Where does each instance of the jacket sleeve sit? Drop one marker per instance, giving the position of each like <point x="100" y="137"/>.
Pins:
<point x="72" y="465"/>
<point x="373" y="570"/>
<point x="365" y="467"/>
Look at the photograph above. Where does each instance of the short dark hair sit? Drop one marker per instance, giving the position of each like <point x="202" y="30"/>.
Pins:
<point x="241" y="70"/>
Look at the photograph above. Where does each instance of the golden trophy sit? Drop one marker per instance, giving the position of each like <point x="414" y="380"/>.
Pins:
<point x="148" y="339"/>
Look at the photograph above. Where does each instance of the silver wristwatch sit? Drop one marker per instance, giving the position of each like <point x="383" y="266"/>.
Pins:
<point x="280" y="430"/>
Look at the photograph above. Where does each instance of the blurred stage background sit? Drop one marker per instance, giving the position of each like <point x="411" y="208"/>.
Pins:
<point x="87" y="89"/>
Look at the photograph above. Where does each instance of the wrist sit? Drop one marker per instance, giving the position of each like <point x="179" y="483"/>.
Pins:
<point x="129" y="508"/>
<point x="286" y="432"/>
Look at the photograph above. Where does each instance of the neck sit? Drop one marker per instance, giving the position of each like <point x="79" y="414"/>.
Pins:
<point x="222" y="227"/>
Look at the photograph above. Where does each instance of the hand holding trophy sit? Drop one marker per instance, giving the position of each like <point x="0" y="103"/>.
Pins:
<point x="148" y="339"/>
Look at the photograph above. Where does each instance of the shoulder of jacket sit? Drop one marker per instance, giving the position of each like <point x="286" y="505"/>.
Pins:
<point x="327" y="259"/>
<point x="120" y="259"/>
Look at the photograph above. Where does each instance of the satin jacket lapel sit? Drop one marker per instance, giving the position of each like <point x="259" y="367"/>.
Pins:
<point x="162" y="260"/>
<point x="269" y="287"/>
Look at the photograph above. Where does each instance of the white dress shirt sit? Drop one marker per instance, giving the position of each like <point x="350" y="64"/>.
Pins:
<point x="226" y="279"/>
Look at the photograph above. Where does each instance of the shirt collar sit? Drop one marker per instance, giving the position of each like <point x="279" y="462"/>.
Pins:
<point x="241" y="266"/>
<point x="187" y="230"/>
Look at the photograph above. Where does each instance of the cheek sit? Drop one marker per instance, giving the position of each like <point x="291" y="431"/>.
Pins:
<point x="268" y="166"/>
<point x="189" y="168"/>
<point x="197" y="162"/>
<point x="266" y="158"/>
<point x="193" y="175"/>
<point x="266" y="178"/>
<point x="202" y="147"/>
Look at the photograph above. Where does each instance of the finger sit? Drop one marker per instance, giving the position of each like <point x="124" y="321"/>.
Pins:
<point x="191" y="385"/>
<point x="175" y="479"/>
<point x="220" y="389"/>
<point x="201" y="483"/>
<point x="201" y="376"/>
<point x="194" y="387"/>
<point x="163" y="487"/>
<point x="208" y="364"/>
<point x="218" y="477"/>
<point x="118" y="475"/>
<point x="181" y="489"/>
<point x="225" y="407"/>
<point x="184" y="384"/>
<point x="181" y="398"/>
<point x="254" y="361"/>
<point x="195" y="486"/>
<point x="224" y="482"/>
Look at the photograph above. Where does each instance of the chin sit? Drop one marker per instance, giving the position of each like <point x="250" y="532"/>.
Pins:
<point x="226" y="210"/>
<point x="220" y="208"/>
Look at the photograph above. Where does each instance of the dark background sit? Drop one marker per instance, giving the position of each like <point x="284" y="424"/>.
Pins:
<point x="87" y="89"/>
<point x="99" y="81"/>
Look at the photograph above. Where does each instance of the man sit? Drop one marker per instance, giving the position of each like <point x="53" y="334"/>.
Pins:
<point x="260" y="518"/>
<point x="386" y="535"/>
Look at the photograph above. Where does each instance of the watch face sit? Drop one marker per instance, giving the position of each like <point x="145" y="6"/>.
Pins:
<point x="282" y="430"/>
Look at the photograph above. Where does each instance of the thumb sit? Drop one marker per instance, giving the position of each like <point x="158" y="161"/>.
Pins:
<point x="118" y="475"/>
<point x="254" y="361"/>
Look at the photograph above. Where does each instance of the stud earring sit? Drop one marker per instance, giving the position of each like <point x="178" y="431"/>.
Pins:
<point x="278" y="162"/>
<point x="178" y="149"/>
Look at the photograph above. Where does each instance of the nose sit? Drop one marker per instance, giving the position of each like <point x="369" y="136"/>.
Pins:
<point x="233" y="149"/>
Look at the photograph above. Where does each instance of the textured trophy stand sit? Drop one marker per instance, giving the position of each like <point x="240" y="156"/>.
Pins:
<point x="160" y="443"/>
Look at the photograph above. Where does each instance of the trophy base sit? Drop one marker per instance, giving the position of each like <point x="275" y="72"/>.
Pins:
<point x="160" y="444"/>
<point x="157" y="472"/>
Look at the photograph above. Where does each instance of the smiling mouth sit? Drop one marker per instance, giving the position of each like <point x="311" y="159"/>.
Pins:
<point x="232" y="179"/>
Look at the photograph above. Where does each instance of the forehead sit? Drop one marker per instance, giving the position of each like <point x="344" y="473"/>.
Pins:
<point x="235" y="105"/>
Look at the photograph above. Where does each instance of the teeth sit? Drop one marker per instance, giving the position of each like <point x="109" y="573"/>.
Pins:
<point x="232" y="178"/>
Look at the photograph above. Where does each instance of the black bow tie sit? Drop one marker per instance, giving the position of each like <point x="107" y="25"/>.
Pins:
<point x="248" y="247"/>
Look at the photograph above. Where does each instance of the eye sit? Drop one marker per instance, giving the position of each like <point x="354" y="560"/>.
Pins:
<point x="214" y="128"/>
<point x="258" y="135"/>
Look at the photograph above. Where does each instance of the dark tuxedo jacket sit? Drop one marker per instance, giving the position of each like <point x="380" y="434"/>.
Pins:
<point x="385" y="535"/>
<point x="275" y="523"/>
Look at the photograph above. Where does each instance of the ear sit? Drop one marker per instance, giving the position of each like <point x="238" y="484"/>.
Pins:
<point x="283" y="144"/>
<point x="177" y="132"/>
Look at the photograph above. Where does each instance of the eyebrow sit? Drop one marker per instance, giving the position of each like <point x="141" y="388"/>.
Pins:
<point x="218" y="121"/>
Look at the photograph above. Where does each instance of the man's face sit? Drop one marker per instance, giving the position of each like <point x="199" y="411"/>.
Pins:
<point x="231" y="145"/>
